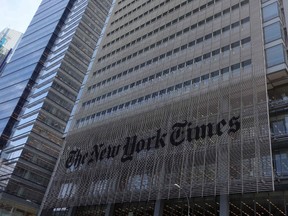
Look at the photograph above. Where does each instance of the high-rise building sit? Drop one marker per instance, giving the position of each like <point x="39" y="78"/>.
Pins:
<point x="182" y="113"/>
<point x="9" y="40"/>
<point x="38" y="88"/>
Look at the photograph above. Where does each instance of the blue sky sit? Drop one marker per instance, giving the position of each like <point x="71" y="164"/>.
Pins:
<point x="17" y="14"/>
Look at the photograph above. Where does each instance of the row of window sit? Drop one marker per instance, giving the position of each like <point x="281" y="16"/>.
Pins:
<point x="274" y="55"/>
<point x="168" y="54"/>
<point x="157" y="76"/>
<point x="131" y="11"/>
<point x="173" y="36"/>
<point x="165" y="25"/>
<point x="170" y="70"/>
<point x="161" y="28"/>
<point x="155" y="59"/>
<point x="180" y="86"/>
<point x="130" y="70"/>
<point x="121" y="1"/>
<point x="183" y="4"/>
<point x="138" y="8"/>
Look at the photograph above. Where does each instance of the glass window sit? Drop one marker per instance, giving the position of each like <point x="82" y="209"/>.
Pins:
<point x="278" y="127"/>
<point x="205" y="77"/>
<point x="171" y="88"/>
<point x="281" y="164"/>
<point x="272" y="32"/>
<point x="187" y="83"/>
<point x="225" y="70"/>
<point x="3" y="123"/>
<point x="6" y="93"/>
<point x="271" y="11"/>
<point x="196" y="80"/>
<point x="215" y="74"/>
<point x="275" y="55"/>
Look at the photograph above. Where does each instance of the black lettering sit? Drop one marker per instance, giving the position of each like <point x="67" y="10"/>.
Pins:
<point x="140" y="145"/>
<point x="129" y="149"/>
<point x="189" y="132"/>
<point x="71" y="158"/>
<point x="78" y="158"/>
<point x="102" y="154"/>
<point x="91" y="158"/>
<point x="97" y="151"/>
<point x="149" y="140"/>
<point x="201" y="131"/>
<point x="234" y="124"/>
<point x="84" y="158"/>
<point x="219" y="127"/>
<point x="113" y="151"/>
<point x="159" y="139"/>
<point x="177" y="136"/>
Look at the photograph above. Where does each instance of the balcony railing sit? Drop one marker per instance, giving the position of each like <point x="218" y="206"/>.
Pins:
<point x="277" y="137"/>
<point x="275" y="105"/>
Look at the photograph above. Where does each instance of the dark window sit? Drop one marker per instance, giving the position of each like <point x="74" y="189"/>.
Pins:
<point x="192" y="43"/>
<point x="190" y="62"/>
<point x="207" y="55"/>
<point x="225" y="70"/>
<point x="187" y="83"/>
<point x="235" y="67"/>
<point x="181" y="65"/>
<point x="205" y="77"/>
<point x="170" y="89"/>
<point x="225" y="48"/>
<point x="235" y="44"/>
<point x="215" y="73"/>
<point x="215" y="33"/>
<point x="208" y="36"/>
<point x="198" y="59"/>
<point x="155" y="94"/>
<point x="234" y="25"/>
<point x="165" y="72"/>
<point x="196" y="80"/>
<point x="199" y="40"/>
<point x="245" y="40"/>
<point x="151" y="77"/>
<point x="246" y="63"/>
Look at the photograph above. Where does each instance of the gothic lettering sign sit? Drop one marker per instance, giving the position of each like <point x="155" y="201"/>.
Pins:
<point x="180" y="132"/>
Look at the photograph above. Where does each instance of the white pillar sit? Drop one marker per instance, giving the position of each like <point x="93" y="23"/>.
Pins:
<point x="109" y="209"/>
<point x="158" y="209"/>
<point x="71" y="211"/>
<point x="224" y="205"/>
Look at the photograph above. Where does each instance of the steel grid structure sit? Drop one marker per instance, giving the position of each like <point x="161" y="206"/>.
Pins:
<point x="211" y="140"/>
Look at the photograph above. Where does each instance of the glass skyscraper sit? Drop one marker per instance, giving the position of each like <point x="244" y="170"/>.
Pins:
<point x="183" y="112"/>
<point x="38" y="90"/>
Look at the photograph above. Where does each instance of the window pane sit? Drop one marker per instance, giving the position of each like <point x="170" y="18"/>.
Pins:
<point x="270" y="11"/>
<point x="275" y="55"/>
<point x="272" y="32"/>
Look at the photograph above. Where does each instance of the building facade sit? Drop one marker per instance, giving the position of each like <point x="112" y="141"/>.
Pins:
<point x="38" y="90"/>
<point x="183" y="112"/>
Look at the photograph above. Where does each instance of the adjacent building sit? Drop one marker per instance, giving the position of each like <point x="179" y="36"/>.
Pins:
<point x="184" y="111"/>
<point x="38" y="88"/>
<point x="9" y="39"/>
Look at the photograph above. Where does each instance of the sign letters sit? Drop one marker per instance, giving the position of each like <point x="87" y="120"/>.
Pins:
<point x="181" y="132"/>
